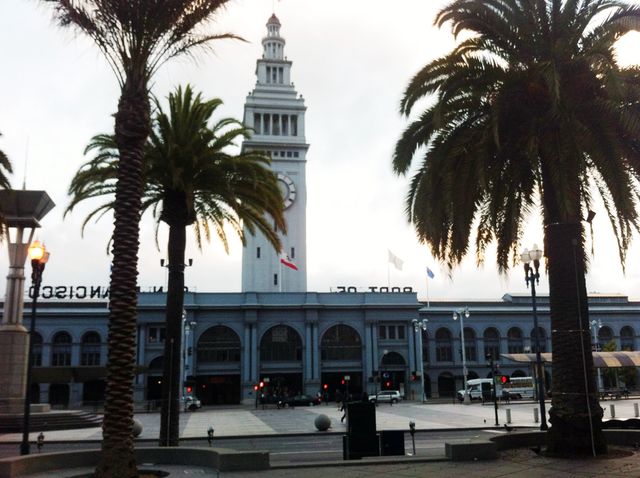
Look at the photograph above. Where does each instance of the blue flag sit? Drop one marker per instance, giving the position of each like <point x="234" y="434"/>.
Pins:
<point x="430" y="273"/>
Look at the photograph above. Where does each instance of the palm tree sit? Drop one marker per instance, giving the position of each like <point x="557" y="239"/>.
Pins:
<point x="189" y="178"/>
<point x="136" y="37"/>
<point x="530" y="111"/>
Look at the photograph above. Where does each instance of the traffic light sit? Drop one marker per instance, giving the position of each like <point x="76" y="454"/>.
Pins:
<point x="325" y="386"/>
<point x="505" y="379"/>
<point x="189" y="389"/>
<point x="388" y="384"/>
<point x="261" y="384"/>
<point x="342" y="381"/>
<point x="255" y="387"/>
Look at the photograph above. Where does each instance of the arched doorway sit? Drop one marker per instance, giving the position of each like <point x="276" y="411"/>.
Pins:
<point x="218" y="366"/>
<point x="427" y="386"/>
<point x="281" y="361"/>
<point x="393" y="372"/>
<point x="154" y="380"/>
<point x="341" y="360"/>
<point x="446" y="385"/>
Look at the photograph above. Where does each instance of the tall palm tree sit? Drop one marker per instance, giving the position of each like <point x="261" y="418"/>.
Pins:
<point x="136" y="37"/>
<point x="530" y="111"/>
<point x="189" y="178"/>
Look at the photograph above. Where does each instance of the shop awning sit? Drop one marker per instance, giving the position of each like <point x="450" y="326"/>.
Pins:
<point x="600" y="359"/>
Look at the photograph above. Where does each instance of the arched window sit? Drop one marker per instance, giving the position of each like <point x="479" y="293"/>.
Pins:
<point x="605" y="338"/>
<point x="425" y="346"/>
<point x="542" y="336"/>
<point x="90" y="349"/>
<point x="341" y="342"/>
<point x="61" y="350"/>
<point x="514" y="341"/>
<point x="492" y="343"/>
<point x="392" y="358"/>
<point x="36" y="351"/>
<point x="627" y="341"/>
<point x="281" y="344"/>
<point x="156" y="365"/>
<point x="470" y="344"/>
<point x="219" y="344"/>
<point x="443" y="346"/>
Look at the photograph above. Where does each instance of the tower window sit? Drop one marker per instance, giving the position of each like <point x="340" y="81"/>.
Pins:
<point x="258" y="253"/>
<point x="275" y="279"/>
<point x="276" y="124"/>
<point x="295" y="154"/>
<point x="294" y="126"/>
<point x="285" y="125"/>
<point x="289" y="154"/>
<point x="274" y="72"/>
<point x="280" y="75"/>
<point x="266" y="124"/>
<point x="257" y="123"/>
<point x="293" y="253"/>
<point x="268" y="74"/>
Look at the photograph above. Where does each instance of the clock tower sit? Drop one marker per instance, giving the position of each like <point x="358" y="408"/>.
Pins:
<point x="275" y="111"/>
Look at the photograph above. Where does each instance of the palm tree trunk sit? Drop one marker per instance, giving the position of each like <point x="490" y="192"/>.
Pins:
<point x="171" y="382"/>
<point x="132" y="128"/>
<point x="575" y="414"/>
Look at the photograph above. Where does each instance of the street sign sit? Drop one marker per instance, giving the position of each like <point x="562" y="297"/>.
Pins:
<point x="347" y="377"/>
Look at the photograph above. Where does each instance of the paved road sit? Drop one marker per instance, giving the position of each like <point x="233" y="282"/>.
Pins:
<point x="288" y="449"/>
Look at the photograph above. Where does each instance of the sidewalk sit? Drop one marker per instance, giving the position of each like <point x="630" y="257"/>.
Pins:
<point x="243" y="421"/>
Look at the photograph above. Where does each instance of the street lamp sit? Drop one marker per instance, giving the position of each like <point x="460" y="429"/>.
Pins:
<point x="187" y="350"/>
<point x="418" y="327"/>
<point x="596" y="325"/>
<point x="532" y="276"/>
<point x="39" y="257"/>
<point x="462" y="314"/>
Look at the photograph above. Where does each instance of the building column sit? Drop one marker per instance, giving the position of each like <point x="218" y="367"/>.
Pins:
<point x="254" y="353"/>
<point x="373" y="327"/>
<point x="308" y="346"/>
<point x="315" y="353"/>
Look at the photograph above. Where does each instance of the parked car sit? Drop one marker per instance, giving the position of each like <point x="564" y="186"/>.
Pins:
<point x="191" y="403"/>
<point x="387" y="396"/>
<point x="300" y="400"/>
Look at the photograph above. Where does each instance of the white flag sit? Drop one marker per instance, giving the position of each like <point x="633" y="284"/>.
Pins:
<point x="395" y="260"/>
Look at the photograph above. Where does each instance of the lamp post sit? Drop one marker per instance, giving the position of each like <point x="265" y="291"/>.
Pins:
<point x="39" y="257"/>
<point x="187" y="360"/>
<point x="384" y="352"/>
<point x="532" y="277"/>
<point x="418" y="327"/>
<point x="462" y="314"/>
<point x="596" y="325"/>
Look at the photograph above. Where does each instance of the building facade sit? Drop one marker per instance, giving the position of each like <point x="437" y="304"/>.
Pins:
<point x="300" y="342"/>
<point x="276" y="112"/>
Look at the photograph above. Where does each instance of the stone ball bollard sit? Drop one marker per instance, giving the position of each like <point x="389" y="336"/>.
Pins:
<point x="322" y="422"/>
<point x="137" y="428"/>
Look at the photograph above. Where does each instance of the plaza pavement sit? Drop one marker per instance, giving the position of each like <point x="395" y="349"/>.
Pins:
<point x="247" y="421"/>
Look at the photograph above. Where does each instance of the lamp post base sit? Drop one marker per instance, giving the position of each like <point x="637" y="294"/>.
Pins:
<point x="14" y="349"/>
<point x="466" y="399"/>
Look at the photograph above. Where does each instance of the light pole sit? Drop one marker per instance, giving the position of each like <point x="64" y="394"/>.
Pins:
<point x="187" y="360"/>
<point x="39" y="257"/>
<point x="596" y="325"/>
<point x="462" y="314"/>
<point x="418" y="327"/>
<point x="532" y="277"/>
<point x="384" y="352"/>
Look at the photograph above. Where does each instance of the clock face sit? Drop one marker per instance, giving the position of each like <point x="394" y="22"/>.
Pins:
<point x="288" y="189"/>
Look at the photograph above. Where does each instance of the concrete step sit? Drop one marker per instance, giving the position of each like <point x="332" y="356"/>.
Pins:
<point x="58" y="420"/>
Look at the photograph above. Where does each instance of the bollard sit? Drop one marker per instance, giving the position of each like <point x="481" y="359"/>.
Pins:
<point x="536" y="415"/>
<point x="612" y="410"/>
<point x="508" y="412"/>
<point x="635" y="410"/>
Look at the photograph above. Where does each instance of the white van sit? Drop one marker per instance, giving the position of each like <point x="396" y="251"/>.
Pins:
<point x="475" y="386"/>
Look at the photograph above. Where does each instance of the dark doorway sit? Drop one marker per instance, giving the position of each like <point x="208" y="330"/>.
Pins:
<point x="93" y="392"/>
<point x="427" y="386"/>
<point x="154" y="388"/>
<point x="446" y="385"/>
<point x="34" y="393"/>
<point x="218" y="389"/>
<point x="282" y="384"/>
<point x="59" y="395"/>
<point x="335" y="382"/>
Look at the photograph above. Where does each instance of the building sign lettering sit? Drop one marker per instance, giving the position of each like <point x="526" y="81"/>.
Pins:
<point x="86" y="291"/>
<point x="381" y="290"/>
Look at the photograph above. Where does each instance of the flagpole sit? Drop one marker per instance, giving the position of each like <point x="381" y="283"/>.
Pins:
<point x="388" y="275"/>
<point x="428" y="290"/>
<point x="280" y="275"/>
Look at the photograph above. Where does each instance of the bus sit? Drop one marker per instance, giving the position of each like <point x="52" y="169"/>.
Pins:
<point x="520" y="387"/>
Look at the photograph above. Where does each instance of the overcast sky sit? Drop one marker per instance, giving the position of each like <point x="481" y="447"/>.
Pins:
<point x="351" y="62"/>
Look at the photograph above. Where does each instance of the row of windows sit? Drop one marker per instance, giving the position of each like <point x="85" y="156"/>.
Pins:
<point x="292" y="253"/>
<point x="275" y="124"/>
<point x="285" y="154"/>
<point x="275" y="74"/>
<point x="274" y="50"/>
<point x="61" y="349"/>
<point x="391" y="332"/>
